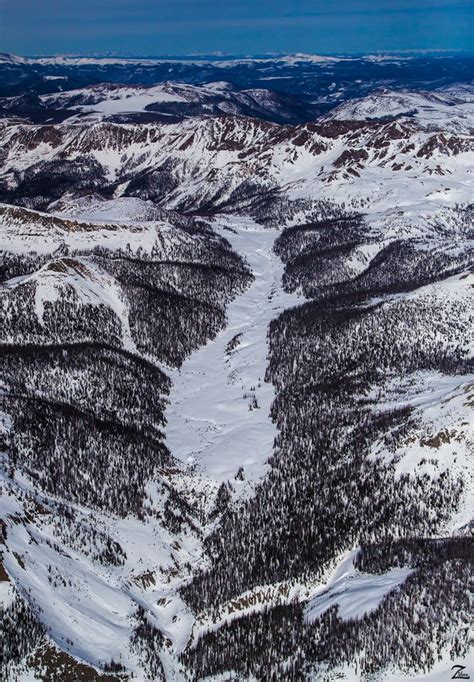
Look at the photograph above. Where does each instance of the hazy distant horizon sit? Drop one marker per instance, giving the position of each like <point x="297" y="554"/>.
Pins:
<point x="235" y="55"/>
<point x="237" y="26"/>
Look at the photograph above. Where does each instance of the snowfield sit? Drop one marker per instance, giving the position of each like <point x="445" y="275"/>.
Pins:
<point x="219" y="413"/>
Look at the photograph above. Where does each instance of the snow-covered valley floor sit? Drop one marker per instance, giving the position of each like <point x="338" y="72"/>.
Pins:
<point x="219" y="411"/>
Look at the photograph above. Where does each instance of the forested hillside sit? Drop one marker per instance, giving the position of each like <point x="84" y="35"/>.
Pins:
<point x="236" y="381"/>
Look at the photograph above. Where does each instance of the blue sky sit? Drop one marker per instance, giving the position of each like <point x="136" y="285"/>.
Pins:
<point x="153" y="27"/>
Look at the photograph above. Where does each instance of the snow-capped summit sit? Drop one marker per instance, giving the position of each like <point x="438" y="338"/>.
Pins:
<point x="6" y="59"/>
<point x="450" y="108"/>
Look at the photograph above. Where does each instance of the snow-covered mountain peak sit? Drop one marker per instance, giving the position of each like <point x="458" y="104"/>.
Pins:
<point x="449" y="109"/>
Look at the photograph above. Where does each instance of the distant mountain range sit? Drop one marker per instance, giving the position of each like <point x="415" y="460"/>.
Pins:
<point x="328" y="80"/>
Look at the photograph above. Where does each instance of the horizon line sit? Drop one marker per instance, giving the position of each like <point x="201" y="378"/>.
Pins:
<point x="230" y="55"/>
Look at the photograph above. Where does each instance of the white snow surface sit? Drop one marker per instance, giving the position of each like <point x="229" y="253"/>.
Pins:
<point x="450" y="108"/>
<point x="118" y="99"/>
<point x="7" y="593"/>
<point x="210" y="421"/>
<point x="107" y="99"/>
<point x="93" y="605"/>
<point x="356" y="593"/>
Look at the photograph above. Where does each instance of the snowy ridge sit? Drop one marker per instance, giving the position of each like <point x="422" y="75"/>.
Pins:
<point x="214" y="164"/>
<point x="448" y="108"/>
<point x="215" y="97"/>
<point x="83" y="60"/>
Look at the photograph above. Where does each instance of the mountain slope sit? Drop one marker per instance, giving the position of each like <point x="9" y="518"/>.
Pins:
<point x="236" y="394"/>
<point x="448" y="108"/>
<point x="238" y="164"/>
